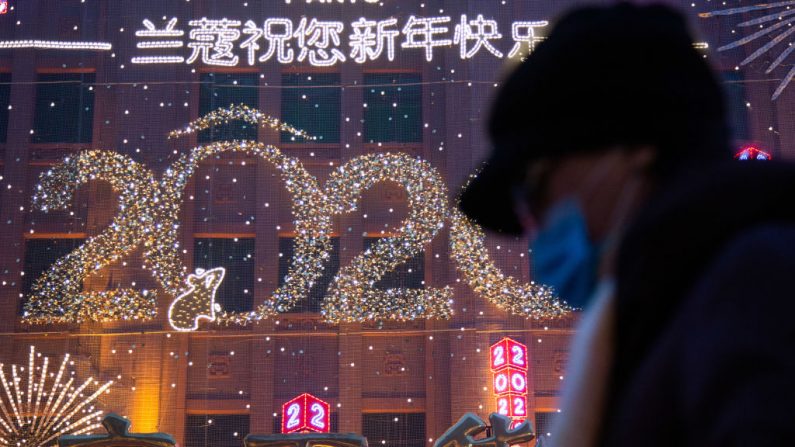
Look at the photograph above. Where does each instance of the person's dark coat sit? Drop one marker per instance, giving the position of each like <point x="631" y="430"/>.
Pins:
<point x="705" y="338"/>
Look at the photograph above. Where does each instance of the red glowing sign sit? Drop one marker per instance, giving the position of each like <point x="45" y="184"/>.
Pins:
<point x="508" y="361"/>
<point x="508" y="352"/>
<point x="512" y="405"/>
<point x="305" y="413"/>
<point x="3" y="6"/>
<point x="752" y="153"/>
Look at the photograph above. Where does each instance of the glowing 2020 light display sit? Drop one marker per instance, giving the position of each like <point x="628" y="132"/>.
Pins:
<point x="149" y="212"/>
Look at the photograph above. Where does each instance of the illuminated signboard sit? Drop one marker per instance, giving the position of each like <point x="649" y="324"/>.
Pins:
<point x="508" y="363"/>
<point x="322" y="43"/>
<point x="305" y="413"/>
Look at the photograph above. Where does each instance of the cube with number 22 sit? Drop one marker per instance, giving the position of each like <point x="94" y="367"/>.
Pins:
<point x="305" y="413"/>
<point x="508" y="353"/>
<point x="513" y="405"/>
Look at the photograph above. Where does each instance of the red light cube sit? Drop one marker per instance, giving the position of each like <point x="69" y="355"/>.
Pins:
<point x="510" y="380"/>
<point x="3" y="6"/>
<point x="513" y="405"/>
<point x="508" y="353"/>
<point x="305" y="413"/>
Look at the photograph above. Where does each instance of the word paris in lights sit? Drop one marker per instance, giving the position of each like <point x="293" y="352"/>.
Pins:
<point x="148" y="217"/>
<point x="228" y="43"/>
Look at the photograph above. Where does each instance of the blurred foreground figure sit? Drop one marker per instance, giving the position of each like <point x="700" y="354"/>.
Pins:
<point x="611" y="147"/>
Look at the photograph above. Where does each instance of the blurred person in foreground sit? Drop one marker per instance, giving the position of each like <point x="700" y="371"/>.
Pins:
<point x="610" y="146"/>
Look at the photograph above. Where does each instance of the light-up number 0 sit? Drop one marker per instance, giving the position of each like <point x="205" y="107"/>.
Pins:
<point x="293" y="415"/>
<point x="319" y="418"/>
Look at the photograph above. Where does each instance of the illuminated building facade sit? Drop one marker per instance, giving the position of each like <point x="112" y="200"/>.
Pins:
<point x="420" y="86"/>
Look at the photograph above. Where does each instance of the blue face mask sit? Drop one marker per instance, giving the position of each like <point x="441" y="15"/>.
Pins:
<point x="564" y="256"/>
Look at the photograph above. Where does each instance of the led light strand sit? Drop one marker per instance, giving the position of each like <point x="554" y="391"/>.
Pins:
<point x="55" y="45"/>
<point x="238" y="112"/>
<point x="468" y="250"/>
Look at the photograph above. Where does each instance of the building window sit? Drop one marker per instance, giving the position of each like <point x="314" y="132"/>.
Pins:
<point x="736" y="109"/>
<point x="409" y="275"/>
<point x="5" y="99"/>
<point x="393" y="111"/>
<point x="319" y="289"/>
<point x="64" y="108"/>
<point x="216" y="430"/>
<point x="223" y="90"/>
<point x="40" y="254"/>
<point x="394" y="429"/>
<point x="235" y="255"/>
<point x="544" y="421"/>
<point x="311" y="102"/>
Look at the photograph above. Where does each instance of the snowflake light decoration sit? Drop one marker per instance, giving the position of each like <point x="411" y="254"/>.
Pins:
<point x="34" y="412"/>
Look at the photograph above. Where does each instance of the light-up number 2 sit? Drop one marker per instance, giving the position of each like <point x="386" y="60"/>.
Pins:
<point x="57" y="294"/>
<point x="293" y="413"/>
<point x="499" y="356"/>
<point x="352" y="295"/>
<point x="318" y="420"/>
<point x="502" y="406"/>
<point x="518" y="406"/>
<point x="518" y="355"/>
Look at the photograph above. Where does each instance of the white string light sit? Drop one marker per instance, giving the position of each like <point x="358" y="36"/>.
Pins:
<point x="55" y="45"/>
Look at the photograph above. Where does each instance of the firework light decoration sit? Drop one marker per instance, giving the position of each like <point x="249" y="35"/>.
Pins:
<point x="35" y="412"/>
<point x="777" y="25"/>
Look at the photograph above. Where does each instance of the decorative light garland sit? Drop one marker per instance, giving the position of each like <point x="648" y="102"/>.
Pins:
<point x="57" y="295"/>
<point x="351" y="295"/>
<point x="35" y="417"/>
<point x="149" y="213"/>
<point x="238" y="112"/>
<point x="312" y="223"/>
<point x="468" y="250"/>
